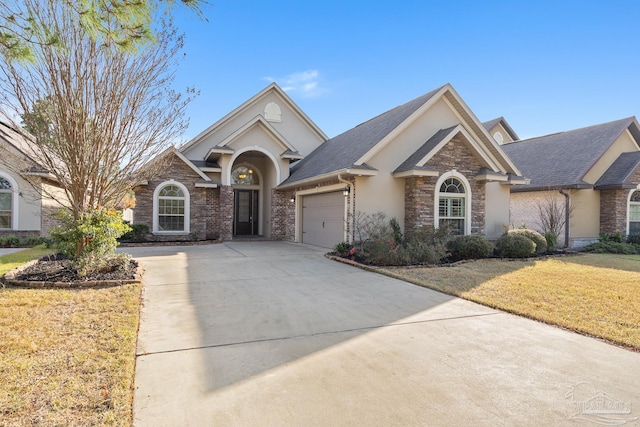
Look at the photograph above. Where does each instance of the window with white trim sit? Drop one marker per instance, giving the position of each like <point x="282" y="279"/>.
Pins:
<point x="171" y="208"/>
<point x="452" y="206"/>
<point x="634" y="213"/>
<point x="6" y="204"/>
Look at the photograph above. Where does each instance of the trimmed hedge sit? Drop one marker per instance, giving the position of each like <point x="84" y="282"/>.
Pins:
<point x="538" y="239"/>
<point x="469" y="247"/>
<point x="515" y="245"/>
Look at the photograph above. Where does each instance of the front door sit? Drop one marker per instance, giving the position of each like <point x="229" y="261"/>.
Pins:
<point x="245" y="213"/>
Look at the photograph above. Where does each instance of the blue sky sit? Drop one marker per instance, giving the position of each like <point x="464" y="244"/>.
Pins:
<point x="546" y="66"/>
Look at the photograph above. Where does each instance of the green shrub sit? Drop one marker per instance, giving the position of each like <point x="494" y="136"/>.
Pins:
<point x="611" y="247"/>
<point x="469" y="247"/>
<point x="343" y="249"/>
<point x="137" y="233"/>
<point x="611" y="237"/>
<point x="552" y="240"/>
<point x="634" y="239"/>
<point x="538" y="239"/>
<point x="10" y="242"/>
<point x="386" y="252"/>
<point x="90" y="240"/>
<point x="421" y="252"/>
<point x="395" y="229"/>
<point x="515" y="245"/>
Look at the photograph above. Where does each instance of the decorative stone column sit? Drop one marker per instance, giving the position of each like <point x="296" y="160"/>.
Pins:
<point x="283" y="215"/>
<point x="226" y="212"/>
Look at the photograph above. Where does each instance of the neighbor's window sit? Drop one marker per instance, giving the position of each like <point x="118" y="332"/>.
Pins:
<point x="171" y="208"/>
<point x="452" y="206"/>
<point x="6" y="203"/>
<point x="634" y="213"/>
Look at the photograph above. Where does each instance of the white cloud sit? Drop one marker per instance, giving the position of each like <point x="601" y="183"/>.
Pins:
<point x="304" y="83"/>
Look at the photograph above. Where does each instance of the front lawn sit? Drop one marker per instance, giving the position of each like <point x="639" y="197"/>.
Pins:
<point x="68" y="356"/>
<point x="594" y="294"/>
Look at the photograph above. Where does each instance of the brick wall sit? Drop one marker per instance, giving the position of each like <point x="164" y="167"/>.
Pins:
<point x="226" y="212"/>
<point x="613" y="211"/>
<point x="201" y="199"/>
<point x="283" y="217"/>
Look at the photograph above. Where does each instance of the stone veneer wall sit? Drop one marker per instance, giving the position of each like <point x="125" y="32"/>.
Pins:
<point x="420" y="191"/>
<point x="201" y="199"/>
<point x="613" y="211"/>
<point x="614" y="207"/>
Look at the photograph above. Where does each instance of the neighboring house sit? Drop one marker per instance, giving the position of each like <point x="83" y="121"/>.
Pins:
<point x="266" y="169"/>
<point x="23" y="211"/>
<point x="597" y="168"/>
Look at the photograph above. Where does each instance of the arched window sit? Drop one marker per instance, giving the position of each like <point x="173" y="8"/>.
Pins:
<point x="244" y="175"/>
<point x="453" y="203"/>
<point x="634" y="213"/>
<point x="6" y="204"/>
<point x="171" y="208"/>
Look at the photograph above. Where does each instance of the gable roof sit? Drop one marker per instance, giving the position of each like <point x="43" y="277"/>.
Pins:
<point x="619" y="172"/>
<point x="21" y="143"/>
<point x="343" y="151"/>
<point x="273" y="87"/>
<point x="502" y="121"/>
<point x="414" y="160"/>
<point x="561" y="160"/>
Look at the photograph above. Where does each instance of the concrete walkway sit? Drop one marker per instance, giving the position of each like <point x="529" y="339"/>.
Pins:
<point x="274" y="334"/>
<point x="7" y="251"/>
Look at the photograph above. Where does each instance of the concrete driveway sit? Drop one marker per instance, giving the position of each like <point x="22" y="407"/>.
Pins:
<point x="272" y="334"/>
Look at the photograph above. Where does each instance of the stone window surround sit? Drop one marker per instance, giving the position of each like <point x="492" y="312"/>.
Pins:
<point x="14" y="200"/>
<point x="629" y="204"/>
<point x="187" y="204"/>
<point x="467" y="195"/>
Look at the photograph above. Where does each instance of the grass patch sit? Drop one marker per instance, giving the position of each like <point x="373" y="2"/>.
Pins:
<point x="68" y="356"/>
<point x="11" y="261"/>
<point x="594" y="294"/>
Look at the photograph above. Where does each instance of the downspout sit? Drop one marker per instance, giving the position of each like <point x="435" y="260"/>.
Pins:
<point x="566" y="217"/>
<point x="352" y="207"/>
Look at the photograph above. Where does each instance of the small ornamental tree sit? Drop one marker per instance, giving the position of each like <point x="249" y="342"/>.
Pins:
<point x="96" y="114"/>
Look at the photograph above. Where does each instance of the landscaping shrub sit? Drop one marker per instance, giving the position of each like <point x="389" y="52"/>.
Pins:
<point x="611" y="247"/>
<point x="137" y="233"/>
<point x="90" y="240"/>
<point x="386" y="252"/>
<point x="538" y="239"/>
<point x="515" y="245"/>
<point x="10" y="242"/>
<point x="343" y="249"/>
<point x="552" y="240"/>
<point x="611" y="237"/>
<point x="395" y="229"/>
<point x="634" y="239"/>
<point x="469" y="247"/>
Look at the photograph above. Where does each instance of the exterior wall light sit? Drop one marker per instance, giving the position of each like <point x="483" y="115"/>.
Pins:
<point x="346" y="191"/>
<point x="293" y="198"/>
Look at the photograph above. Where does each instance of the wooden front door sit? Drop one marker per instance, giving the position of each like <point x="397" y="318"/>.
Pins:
<point x="245" y="213"/>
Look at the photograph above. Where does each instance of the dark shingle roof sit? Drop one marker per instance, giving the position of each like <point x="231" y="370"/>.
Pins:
<point x="491" y="124"/>
<point x="342" y="151"/>
<point x="412" y="161"/>
<point x="562" y="159"/>
<point x="22" y="144"/>
<point x="620" y="171"/>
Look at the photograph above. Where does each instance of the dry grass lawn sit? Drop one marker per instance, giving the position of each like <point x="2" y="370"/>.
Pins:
<point x="594" y="294"/>
<point x="68" y="356"/>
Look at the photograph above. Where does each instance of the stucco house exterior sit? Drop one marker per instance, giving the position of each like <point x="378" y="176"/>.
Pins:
<point x="596" y="169"/>
<point x="24" y="211"/>
<point x="265" y="169"/>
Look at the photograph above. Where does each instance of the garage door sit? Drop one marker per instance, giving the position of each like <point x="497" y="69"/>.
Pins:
<point x="323" y="219"/>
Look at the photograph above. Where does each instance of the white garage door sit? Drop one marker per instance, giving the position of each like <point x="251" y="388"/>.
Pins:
<point x="323" y="219"/>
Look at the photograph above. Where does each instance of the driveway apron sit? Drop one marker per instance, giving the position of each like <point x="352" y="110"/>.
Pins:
<point x="274" y="334"/>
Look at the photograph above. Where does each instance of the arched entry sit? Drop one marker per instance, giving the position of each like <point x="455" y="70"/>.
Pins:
<point x="247" y="185"/>
<point x="252" y="175"/>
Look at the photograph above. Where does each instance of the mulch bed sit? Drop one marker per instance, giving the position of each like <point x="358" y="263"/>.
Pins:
<point x="57" y="271"/>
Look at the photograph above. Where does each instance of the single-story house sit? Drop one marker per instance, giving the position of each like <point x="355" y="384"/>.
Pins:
<point x="595" y="169"/>
<point x="24" y="211"/>
<point x="265" y="169"/>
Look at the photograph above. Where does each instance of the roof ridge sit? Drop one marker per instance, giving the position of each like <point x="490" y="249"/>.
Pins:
<point x="629" y="119"/>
